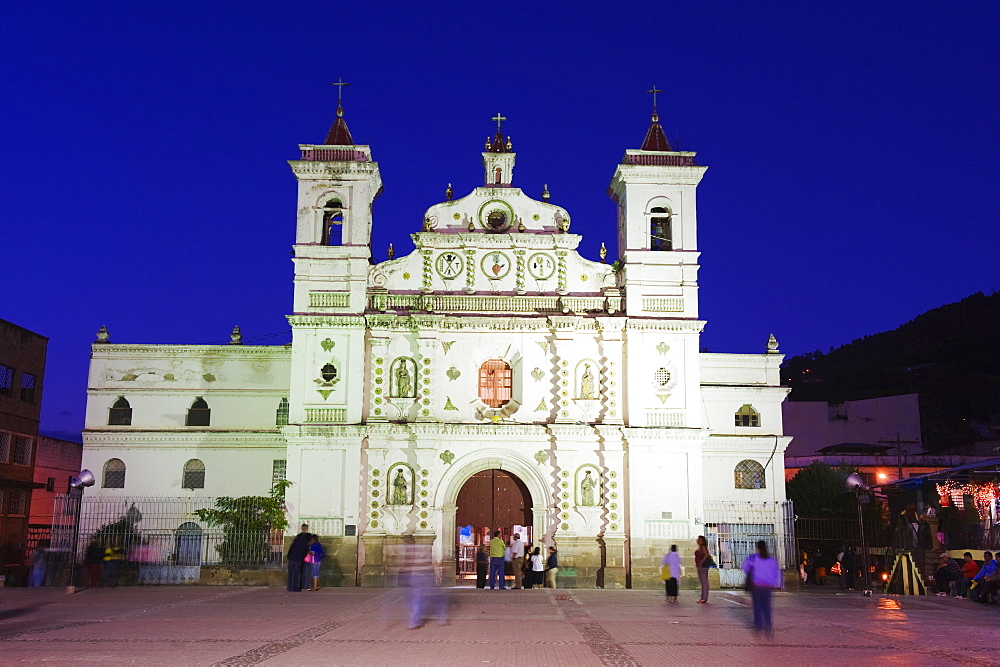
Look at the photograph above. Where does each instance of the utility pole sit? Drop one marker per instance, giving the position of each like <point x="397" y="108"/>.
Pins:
<point x="899" y="442"/>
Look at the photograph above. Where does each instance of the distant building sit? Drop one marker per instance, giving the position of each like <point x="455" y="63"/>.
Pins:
<point x="56" y="463"/>
<point x="22" y="365"/>
<point x="817" y="425"/>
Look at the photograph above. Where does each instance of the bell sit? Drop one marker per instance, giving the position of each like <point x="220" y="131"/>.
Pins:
<point x="86" y="478"/>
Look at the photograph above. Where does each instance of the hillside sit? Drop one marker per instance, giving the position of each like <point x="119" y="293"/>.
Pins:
<point x="950" y="356"/>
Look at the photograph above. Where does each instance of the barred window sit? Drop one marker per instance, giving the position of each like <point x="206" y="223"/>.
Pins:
<point x="27" y="387"/>
<point x="281" y="417"/>
<point x="18" y="503"/>
<point x="747" y="416"/>
<point x="4" y="447"/>
<point x="199" y="413"/>
<point x="114" y="474"/>
<point x="6" y="380"/>
<point x="495" y="383"/>
<point x="120" y="414"/>
<point x="279" y="468"/>
<point x="749" y="474"/>
<point x="194" y="475"/>
<point x="22" y="450"/>
<point x="2" y="508"/>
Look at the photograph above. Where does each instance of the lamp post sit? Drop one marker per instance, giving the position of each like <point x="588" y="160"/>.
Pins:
<point x="857" y="485"/>
<point x="81" y="482"/>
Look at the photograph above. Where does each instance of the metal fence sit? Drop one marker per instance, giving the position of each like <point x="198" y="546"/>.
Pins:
<point x="154" y="540"/>
<point x="734" y="528"/>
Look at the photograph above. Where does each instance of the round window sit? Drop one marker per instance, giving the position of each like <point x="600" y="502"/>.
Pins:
<point x="662" y="377"/>
<point x="329" y="372"/>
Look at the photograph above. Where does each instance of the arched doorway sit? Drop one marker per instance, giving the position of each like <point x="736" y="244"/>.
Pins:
<point x="490" y="500"/>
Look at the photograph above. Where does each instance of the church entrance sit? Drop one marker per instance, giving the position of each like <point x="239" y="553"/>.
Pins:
<point x="489" y="500"/>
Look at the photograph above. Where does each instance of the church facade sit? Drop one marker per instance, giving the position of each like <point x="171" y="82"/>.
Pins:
<point x="492" y="379"/>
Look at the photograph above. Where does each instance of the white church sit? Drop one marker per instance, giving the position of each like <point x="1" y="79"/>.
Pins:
<point x="492" y="379"/>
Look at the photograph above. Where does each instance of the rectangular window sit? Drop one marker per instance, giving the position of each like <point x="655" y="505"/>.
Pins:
<point x="22" y="450"/>
<point x="6" y="380"/>
<point x="278" y="470"/>
<point x="18" y="503"/>
<point x="2" y="508"/>
<point x="50" y="485"/>
<point x="27" y="387"/>
<point x="4" y="447"/>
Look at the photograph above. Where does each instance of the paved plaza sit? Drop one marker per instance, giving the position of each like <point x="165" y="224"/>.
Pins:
<point x="243" y="626"/>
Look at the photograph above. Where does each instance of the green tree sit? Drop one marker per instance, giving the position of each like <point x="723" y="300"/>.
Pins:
<point x="246" y="524"/>
<point x="818" y="492"/>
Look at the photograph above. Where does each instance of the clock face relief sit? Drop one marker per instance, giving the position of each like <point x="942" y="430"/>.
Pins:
<point x="496" y="265"/>
<point x="541" y="266"/>
<point x="449" y="264"/>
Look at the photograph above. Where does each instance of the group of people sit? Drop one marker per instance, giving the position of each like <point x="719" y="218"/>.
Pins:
<point x="968" y="579"/>
<point x="304" y="558"/>
<point x="531" y="569"/>
<point x="671" y="569"/>
<point x="816" y="567"/>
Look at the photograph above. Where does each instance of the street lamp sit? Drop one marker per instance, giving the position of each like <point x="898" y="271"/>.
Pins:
<point x="857" y="485"/>
<point x="82" y="481"/>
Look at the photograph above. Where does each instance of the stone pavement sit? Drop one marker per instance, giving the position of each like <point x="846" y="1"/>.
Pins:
<point x="245" y="626"/>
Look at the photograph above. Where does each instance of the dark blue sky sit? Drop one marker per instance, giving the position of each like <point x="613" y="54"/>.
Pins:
<point x="852" y="152"/>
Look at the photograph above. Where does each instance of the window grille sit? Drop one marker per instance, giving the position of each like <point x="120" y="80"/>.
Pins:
<point x="662" y="377"/>
<point x="749" y="474"/>
<point x="114" y="474"/>
<point x="6" y="380"/>
<point x="22" y="450"/>
<point x="1" y="503"/>
<point x="4" y="447"/>
<point x="495" y="383"/>
<point x="281" y="417"/>
<point x="194" y="475"/>
<point x="199" y="413"/>
<point x="18" y="503"/>
<point x="747" y="416"/>
<point x="279" y="469"/>
<point x="27" y="387"/>
<point x="120" y="414"/>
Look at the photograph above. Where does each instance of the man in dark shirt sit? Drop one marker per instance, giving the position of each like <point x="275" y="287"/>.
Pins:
<point x="296" y="556"/>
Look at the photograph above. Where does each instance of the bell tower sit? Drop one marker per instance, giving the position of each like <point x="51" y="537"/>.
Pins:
<point x="337" y="183"/>
<point x="654" y="188"/>
<point x="498" y="159"/>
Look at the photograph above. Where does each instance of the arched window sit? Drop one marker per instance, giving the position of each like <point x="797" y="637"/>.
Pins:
<point x="281" y="417"/>
<point x="120" y="414"/>
<point x="495" y="383"/>
<point x="199" y="413"/>
<point x="333" y="222"/>
<point x="749" y="475"/>
<point x="747" y="416"/>
<point x="660" y="234"/>
<point x="194" y="475"/>
<point x="114" y="474"/>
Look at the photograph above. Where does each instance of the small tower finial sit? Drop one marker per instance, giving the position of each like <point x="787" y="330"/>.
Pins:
<point x="236" y="337"/>
<point x="654" y="91"/>
<point x="603" y="252"/>
<point x="545" y="193"/>
<point x="772" y="344"/>
<point x="391" y="252"/>
<point x="449" y="193"/>
<point x="102" y="335"/>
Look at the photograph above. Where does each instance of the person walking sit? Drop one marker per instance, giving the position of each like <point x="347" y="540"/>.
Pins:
<point x="92" y="558"/>
<point x="517" y="560"/>
<point x="497" y="551"/>
<point x="671" y="572"/>
<point x="847" y="568"/>
<point x="296" y="558"/>
<point x="482" y="565"/>
<point x="551" y="568"/>
<point x="763" y="577"/>
<point x="315" y="557"/>
<point x="702" y="562"/>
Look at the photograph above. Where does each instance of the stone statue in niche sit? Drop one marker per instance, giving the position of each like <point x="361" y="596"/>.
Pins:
<point x="587" y="486"/>
<point x="404" y="384"/>
<point x="587" y="383"/>
<point x="400" y="494"/>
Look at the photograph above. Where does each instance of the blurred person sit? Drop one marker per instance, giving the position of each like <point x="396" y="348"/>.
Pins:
<point x="110" y="563"/>
<point x="763" y="577"/>
<point x="517" y="560"/>
<point x="671" y="572"/>
<point x="551" y="568"/>
<point x="417" y="574"/>
<point x="847" y="568"/>
<point x="702" y="562"/>
<point x="296" y="557"/>
<point x="92" y="558"/>
<point x="482" y="565"/>
<point x="36" y="575"/>
<point x="912" y="522"/>
<point x="970" y="568"/>
<point x="497" y="561"/>
<point x="315" y="557"/>
<point x="819" y="568"/>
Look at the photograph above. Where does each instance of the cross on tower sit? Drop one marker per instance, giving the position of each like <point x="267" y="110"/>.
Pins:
<point x="340" y="87"/>
<point x="655" y="90"/>
<point x="498" y="118"/>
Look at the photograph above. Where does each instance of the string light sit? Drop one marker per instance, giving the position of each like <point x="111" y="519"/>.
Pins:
<point x="983" y="495"/>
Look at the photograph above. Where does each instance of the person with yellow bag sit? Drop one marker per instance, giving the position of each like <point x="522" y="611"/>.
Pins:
<point x="670" y="572"/>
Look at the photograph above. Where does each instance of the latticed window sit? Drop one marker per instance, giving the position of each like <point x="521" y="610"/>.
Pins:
<point x="114" y="474"/>
<point x="4" y="447"/>
<point x="281" y="416"/>
<point x="6" y="380"/>
<point x="278" y="470"/>
<point x="194" y="475"/>
<point x="199" y="413"/>
<point x="749" y="474"/>
<point x="747" y="416"/>
<point x="18" y="503"/>
<point x="22" y="450"/>
<point x="495" y="383"/>
<point x="120" y="414"/>
<point x="662" y="377"/>
<point x="27" y="387"/>
<point x="3" y="510"/>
